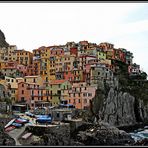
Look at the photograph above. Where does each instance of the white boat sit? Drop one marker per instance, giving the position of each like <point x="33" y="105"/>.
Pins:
<point x="9" y="123"/>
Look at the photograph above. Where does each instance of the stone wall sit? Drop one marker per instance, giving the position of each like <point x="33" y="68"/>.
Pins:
<point x="58" y="135"/>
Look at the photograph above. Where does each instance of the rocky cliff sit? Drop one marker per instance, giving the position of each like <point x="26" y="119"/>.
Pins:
<point x="122" y="101"/>
<point x="3" y="42"/>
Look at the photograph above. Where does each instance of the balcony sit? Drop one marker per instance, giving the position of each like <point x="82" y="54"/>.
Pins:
<point x="39" y="88"/>
<point x="37" y="95"/>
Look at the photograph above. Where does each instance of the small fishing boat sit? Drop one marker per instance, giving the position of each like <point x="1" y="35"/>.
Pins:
<point x="44" y="119"/>
<point x="9" y="128"/>
<point x="17" y="124"/>
<point x="21" y="120"/>
<point x="9" y="123"/>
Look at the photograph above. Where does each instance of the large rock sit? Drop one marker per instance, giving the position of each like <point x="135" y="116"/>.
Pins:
<point x="119" y="108"/>
<point x="121" y="104"/>
<point x="102" y="134"/>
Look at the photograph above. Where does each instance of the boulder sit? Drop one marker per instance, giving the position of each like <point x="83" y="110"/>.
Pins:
<point x="103" y="134"/>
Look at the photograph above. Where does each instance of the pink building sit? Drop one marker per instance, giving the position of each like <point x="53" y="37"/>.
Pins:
<point x="134" y="69"/>
<point x="56" y="51"/>
<point x="80" y="95"/>
<point x="22" y="69"/>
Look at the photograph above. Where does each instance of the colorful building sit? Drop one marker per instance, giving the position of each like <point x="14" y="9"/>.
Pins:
<point x="24" y="57"/>
<point x="34" y="79"/>
<point x="56" y="90"/>
<point x="101" y="55"/>
<point x="13" y="87"/>
<point x="129" y="57"/>
<point x="134" y="69"/>
<point x="106" y="46"/>
<point x="80" y="95"/>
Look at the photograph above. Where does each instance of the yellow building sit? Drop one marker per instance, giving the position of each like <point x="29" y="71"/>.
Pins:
<point x="78" y="75"/>
<point x="68" y="62"/>
<point x="56" y="90"/>
<point x="2" y="64"/>
<point x="34" y="79"/>
<point x="24" y="57"/>
<point x="101" y="55"/>
<point x="41" y="60"/>
<point x="13" y="87"/>
<point x="52" y="68"/>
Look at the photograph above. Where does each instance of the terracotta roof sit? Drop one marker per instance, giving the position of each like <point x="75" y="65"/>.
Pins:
<point x="57" y="81"/>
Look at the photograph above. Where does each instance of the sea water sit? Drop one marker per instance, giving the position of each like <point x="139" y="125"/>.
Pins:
<point x="140" y="134"/>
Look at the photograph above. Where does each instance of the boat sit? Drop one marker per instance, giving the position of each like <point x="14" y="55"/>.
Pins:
<point x="9" y="128"/>
<point x="21" y="120"/>
<point x="17" y="124"/>
<point x="29" y="114"/>
<point x="26" y="136"/>
<point x="9" y="123"/>
<point x="44" y="119"/>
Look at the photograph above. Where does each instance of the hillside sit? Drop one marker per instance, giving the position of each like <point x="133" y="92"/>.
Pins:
<point x="3" y="42"/>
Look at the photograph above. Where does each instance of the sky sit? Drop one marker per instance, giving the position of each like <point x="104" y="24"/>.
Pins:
<point x="32" y="25"/>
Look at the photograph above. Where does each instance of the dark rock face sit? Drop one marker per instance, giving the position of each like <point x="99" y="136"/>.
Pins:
<point x="143" y="142"/>
<point x="121" y="105"/>
<point x="54" y="136"/>
<point x="102" y="134"/>
<point x="3" y="42"/>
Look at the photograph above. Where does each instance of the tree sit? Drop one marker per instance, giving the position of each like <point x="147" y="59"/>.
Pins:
<point x="8" y="101"/>
<point x="144" y="75"/>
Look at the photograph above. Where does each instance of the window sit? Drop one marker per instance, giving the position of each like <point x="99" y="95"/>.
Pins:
<point x="74" y="95"/>
<point x="58" y="115"/>
<point x="22" y="99"/>
<point x="22" y="85"/>
<point x="89" y="94"/>
<point x="84" y="94"/>
<point x="12" y="80"/>
<point x="85" y="100"/>
<point x="79" y="101"/>
<point x="22" y="91"/>
<point x="79" y="94"/>
<point x="98" y="73"/>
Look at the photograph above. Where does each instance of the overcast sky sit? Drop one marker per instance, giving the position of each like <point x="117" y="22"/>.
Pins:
<point x="31" y="25"/>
